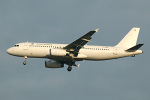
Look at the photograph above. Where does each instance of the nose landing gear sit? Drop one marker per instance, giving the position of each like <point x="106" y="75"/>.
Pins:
<point x="25" y="58"/>
<point x="24" y="63"/>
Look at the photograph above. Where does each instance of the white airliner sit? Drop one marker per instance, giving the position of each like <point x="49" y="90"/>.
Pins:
<point x="61" y="54"/>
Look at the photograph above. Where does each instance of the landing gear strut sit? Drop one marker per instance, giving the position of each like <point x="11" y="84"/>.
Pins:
<point x="25" y="58"/>
<point x="70" y="64"/>
<point x="69" y="68"/>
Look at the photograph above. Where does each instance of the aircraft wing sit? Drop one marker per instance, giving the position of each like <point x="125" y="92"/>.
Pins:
<point x="75" y="46"/>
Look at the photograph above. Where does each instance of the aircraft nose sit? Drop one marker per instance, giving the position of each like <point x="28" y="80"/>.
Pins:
<point x="9" y="51"/>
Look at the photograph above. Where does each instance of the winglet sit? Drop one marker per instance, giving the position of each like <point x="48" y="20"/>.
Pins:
<point x="96" y="30"/>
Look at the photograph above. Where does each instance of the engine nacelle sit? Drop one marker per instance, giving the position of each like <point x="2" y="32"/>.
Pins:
<point x="49" y="64"/>
<point x="58" y="52"/>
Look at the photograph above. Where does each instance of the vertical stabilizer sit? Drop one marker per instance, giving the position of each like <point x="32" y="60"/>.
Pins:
<point x="130" y="39"/>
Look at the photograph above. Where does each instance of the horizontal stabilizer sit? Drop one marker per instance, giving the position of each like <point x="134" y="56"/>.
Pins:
<point x="134" y="48"/>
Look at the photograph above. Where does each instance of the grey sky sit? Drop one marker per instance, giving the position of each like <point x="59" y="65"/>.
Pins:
<point x="63" y="21"/>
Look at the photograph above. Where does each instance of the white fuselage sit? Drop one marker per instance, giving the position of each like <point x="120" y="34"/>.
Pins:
<point x="88" y="52"/>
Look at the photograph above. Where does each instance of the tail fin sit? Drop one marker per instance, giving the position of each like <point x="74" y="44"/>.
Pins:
<point x="130" y="39"/>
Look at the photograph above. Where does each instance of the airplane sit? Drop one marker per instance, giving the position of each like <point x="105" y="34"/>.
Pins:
<point x="60" y="54"/>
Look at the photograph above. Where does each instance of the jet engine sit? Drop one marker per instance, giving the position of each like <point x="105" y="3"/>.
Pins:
<point x="58" y="52"/>
<point x="49" y="64"/>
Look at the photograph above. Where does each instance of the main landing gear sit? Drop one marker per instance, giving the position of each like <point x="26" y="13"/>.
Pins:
<point x="25" y="58"/>
<point x="69" y="68"/>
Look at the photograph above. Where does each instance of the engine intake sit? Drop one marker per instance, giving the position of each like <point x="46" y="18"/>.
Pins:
<point x="49" y="64"/>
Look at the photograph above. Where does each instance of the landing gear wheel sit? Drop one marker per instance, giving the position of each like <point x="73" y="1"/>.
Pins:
<point x="25" y="58"/>
<point x="69" y="68"/>
<point x="24" y="63"/>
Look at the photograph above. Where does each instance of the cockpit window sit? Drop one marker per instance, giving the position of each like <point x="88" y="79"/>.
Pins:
<point x="16" y="45"/>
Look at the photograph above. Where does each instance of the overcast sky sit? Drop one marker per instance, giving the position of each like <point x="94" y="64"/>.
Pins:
<point x="63" y="21"/>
